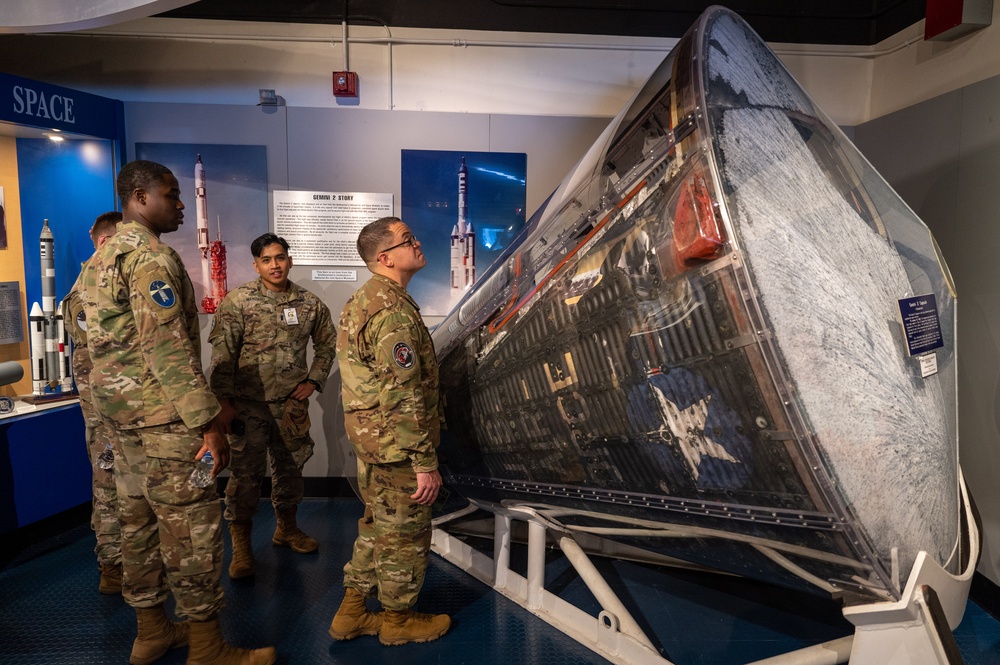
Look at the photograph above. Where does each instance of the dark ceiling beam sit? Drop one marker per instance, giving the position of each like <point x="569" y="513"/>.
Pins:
<point x="848" y="22"/>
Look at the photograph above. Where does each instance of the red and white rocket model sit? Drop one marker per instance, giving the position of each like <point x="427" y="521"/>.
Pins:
<point x="218" y="269"/>
<point x="213" y="253"/>
<point x="49" y="350"/>
<point x="463" y="241"/>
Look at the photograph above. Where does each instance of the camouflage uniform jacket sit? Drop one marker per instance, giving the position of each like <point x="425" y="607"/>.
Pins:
<point x="259" y="341"/>
<point x="143" y="336"/>
<point x="75" y="321"/>
<point x="389" y="377"/>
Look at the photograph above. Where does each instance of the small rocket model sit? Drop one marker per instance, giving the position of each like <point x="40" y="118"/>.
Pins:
<point x="201" y="213"/>
<point x="463" y="241"/>
<point x="36" y="323"/>
<point x="213" y="254"/>
<point x="218" y="285"/>
<point x="48" y="265"/>
<point x="49" y="351"/>
<point x="65" y="359"/>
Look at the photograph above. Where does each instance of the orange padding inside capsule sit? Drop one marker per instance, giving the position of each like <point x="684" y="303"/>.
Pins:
<point x="698" y="236"/>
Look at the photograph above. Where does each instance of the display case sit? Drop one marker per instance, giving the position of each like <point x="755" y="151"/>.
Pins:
<point x="60" y="150"/>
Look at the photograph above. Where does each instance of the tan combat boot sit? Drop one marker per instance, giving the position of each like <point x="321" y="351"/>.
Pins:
<point x="157" y="635"/>
<point x="242" y="564"/>
<point x="409" y="626"/>
<point x="353" y="618"/>
<point x="208" y="648"/>
<point x="111" y="578"/>
<point x="289" y="534"/>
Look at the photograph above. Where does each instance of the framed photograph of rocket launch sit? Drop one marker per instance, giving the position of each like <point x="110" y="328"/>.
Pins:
<point x="224" y="190"/>
<point x="463" y="207"/>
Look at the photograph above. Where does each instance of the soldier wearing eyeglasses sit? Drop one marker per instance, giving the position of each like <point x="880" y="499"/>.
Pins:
<point x="390" y="393"/>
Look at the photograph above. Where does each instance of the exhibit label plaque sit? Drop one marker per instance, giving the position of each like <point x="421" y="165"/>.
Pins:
<point x="921" y="324"/>
<point x="322" y="227"/>
<point x="11" y="325"/>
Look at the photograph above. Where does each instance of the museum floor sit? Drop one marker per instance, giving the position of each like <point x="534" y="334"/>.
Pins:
<point x="52" y="614"/>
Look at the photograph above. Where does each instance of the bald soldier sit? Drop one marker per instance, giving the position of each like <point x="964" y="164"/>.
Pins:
<point x="104" y="508"/>
<point x="143" y="336"/>
<point x="389" y="378"/>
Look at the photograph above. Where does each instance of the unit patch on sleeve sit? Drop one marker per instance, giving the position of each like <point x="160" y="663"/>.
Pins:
<point x="161" y="293"/>
<point x="403" y="355"/>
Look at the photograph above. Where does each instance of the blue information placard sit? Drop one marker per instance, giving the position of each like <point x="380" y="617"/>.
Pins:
<point x="921" y="324"/>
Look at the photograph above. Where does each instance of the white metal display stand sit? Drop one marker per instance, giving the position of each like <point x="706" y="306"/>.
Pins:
<point x="915" y="630"/>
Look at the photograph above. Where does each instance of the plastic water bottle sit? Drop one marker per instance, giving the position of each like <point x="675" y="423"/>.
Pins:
<point x="202" y="474"/>
<point x="106" y="460"/>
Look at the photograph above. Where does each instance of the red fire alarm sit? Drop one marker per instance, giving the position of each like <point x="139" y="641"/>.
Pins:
<point x="345" y="84"/>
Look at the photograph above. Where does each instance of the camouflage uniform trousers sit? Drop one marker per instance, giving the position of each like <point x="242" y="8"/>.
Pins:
<point x="394" y="537"/>
<point x="171" y="530"/>
<point x="249" y="461"/>
<point x="104" y="514"/>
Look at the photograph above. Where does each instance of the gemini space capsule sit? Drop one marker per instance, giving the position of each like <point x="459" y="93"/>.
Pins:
<point x="723" y="338"/>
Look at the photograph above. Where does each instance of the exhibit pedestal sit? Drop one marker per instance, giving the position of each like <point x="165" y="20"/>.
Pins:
<point x="916" y="630"/>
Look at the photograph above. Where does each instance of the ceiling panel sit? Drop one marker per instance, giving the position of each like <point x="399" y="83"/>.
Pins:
<point x="854" y="22"/>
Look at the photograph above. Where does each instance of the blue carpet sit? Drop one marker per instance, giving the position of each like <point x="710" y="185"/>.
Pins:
<point x="52" y="614"/>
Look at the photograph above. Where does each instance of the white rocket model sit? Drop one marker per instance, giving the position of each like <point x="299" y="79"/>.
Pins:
<point x="36" y="324"/>
<point x="65" y="360"/>
<point x="201" y="212"/>
<point x="48" y="265"/>
<point x="463" y="241"/>
<point x="49" y="352"/>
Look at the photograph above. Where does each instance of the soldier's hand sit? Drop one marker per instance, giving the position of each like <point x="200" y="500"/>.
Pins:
<point x="217" y="443"/>
<point x="303" y="391"/>
<point x="428" y="485"/>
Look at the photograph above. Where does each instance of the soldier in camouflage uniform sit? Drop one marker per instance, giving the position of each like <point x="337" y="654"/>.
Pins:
<point x="259" y="339"/>
<point x="143" y="337"/>
<point x="389" y="378"/>
<point x="104" y="512"/>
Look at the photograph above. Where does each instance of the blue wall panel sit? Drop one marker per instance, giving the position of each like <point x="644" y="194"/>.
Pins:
<point x="70" y="184"/>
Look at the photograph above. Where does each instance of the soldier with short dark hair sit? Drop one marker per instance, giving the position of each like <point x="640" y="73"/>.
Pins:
<point x="104" y="509"/>
<point x="390" y="392"/>
<point x="259" y="341"/>
<point x="143" y="337"/>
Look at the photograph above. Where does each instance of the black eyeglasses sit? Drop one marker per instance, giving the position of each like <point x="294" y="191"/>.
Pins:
<point x="409" y="241"/>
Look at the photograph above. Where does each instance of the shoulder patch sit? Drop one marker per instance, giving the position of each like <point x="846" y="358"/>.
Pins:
<point x="81" y="320"/>
<point x="161" y="293"/>
<point x="403" y="355"/>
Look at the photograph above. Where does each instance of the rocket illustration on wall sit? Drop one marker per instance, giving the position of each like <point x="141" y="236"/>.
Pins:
<point x="213" y="253"/>
<point x="463" y="241"/>
<point x="50" y="365"/>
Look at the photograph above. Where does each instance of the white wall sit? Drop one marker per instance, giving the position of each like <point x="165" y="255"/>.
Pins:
<point x="223" y="62"/>
<point x="924" y="70"/>
<point x="226" y="62"/>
